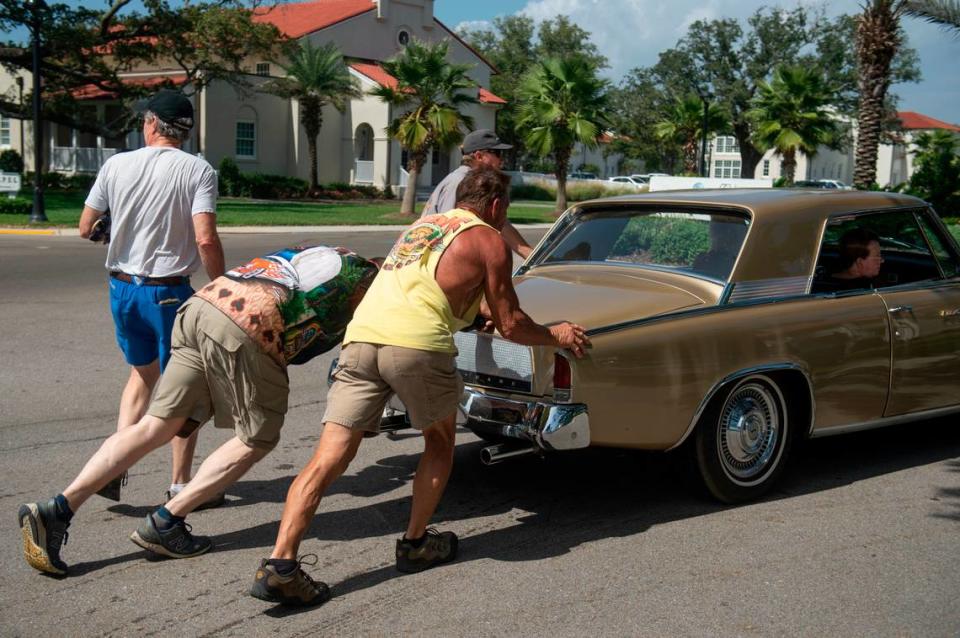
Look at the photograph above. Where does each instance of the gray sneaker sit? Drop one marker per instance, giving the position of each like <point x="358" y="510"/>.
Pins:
<point x="297" y="589"/>
<point x="43" y="535"/>
<point x="437" y="548"/>
<point x="176" y="542"/>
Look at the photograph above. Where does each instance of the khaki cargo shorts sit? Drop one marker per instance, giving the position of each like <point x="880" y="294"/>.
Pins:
<point x="215" y="367"/>
<point x="367" y="374"/>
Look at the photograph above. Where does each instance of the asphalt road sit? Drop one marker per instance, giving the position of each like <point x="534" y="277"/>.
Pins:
<point x="860" y="538"/>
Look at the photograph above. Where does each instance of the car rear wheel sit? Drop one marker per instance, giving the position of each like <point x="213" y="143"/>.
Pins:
<point x="742" y="441"/>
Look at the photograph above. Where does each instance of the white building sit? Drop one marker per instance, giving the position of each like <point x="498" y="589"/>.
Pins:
<point x="894" y="161"/>
<point x="262" y="132"/>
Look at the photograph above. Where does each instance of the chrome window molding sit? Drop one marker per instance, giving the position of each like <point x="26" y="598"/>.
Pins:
<point x="884" y="422"/>
<point x="739" y="374"/>
<point x="768" y="289"/>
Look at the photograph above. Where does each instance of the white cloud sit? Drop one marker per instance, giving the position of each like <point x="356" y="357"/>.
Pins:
<point x="473" y="25"/>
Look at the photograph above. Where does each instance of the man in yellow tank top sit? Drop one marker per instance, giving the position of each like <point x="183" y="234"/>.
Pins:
<point x="401" y="341"/>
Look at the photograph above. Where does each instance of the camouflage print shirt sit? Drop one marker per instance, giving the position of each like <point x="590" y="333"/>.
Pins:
<point x="296" y="303"/>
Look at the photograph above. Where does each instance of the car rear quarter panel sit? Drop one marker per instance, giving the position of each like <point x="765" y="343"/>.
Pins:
<point x="644" y="384"/>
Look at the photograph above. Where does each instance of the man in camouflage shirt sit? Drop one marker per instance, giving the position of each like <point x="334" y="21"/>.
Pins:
<point x="232" y="342"/>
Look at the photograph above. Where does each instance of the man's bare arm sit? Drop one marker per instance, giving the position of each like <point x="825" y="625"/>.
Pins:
<point x="511" y="321"/>
<point x="87" y="217"/>
<point x="208" y="243"/>
<point x="515" y="240"/>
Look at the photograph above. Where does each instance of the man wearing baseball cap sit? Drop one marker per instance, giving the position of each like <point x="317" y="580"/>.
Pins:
<point x="480" y="148"/>
<point x="161" y="203"/>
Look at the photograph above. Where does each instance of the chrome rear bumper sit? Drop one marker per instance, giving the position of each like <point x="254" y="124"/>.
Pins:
<point x="549" y="426"/>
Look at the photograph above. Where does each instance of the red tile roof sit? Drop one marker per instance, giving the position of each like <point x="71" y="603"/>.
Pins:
<point x="376" y="73"/>
<point x="917" y="121"/>
<point x="93" y="92"/>
<point x="296" y="20"/>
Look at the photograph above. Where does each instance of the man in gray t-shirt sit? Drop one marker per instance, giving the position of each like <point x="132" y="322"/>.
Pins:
<point x="480" y="147"/>
<point x="162" y="204"/>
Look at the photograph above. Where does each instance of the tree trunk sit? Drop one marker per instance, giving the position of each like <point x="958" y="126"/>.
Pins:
<point x="789" y="166"/>
<point x="311" y="118"/>
<point x="563" y="161"/>
<point x="409" y="203"/>
<point x="750" y="156"/>
<point x="869" y="125"/>
<point x="690" y="157"/>
<point x="312" y="151"/>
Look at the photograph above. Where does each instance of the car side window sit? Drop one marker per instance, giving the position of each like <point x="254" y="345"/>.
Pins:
<point x="873" y="250"/>
<point x="940" y="245"/>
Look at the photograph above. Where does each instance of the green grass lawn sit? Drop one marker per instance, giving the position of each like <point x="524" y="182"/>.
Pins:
<point x="63" y="210"/>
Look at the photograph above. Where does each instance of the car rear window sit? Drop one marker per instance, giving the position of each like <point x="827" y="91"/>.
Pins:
<point x="699" y="242"/>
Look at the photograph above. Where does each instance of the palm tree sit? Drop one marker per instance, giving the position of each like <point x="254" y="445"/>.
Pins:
<point x="562" y="102"/>
<point x="428" y="94"/>
<point x="683" y="126"/>
<point x="878" y="38"/>
<point x="792" y="113"/>
<point x="315" y="77"/>
<point x="945" y="13"/>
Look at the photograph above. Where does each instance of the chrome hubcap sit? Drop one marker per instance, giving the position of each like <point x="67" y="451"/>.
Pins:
<point x="749" y="431"/>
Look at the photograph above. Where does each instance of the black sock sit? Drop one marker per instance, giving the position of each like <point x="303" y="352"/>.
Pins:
<point x="416" y="542"/>
<point x="63" y="507"/>
<point x="285" y="566"/>
<point x="165" y="520"/>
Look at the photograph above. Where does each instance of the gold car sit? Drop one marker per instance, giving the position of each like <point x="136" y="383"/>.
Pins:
<point x="715" y="324"/>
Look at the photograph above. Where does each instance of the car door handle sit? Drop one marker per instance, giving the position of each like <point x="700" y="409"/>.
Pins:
<point x="950" y="314"/>
<point x="899" y="309"/>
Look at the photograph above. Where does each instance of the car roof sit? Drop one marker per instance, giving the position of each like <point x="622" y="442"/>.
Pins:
<point x="786" y="224"/>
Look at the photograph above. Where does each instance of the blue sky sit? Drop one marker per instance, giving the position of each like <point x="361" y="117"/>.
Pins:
<point x="632" y="32"/>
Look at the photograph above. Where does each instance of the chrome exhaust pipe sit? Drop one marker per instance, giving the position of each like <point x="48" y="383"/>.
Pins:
<point x="503" y="451"/>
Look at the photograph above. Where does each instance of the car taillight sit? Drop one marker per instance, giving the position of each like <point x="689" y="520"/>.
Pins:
<point x="561" y="378"/>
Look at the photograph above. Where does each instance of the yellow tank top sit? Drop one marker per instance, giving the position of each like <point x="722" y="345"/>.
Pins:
<point x="405" y="306"/>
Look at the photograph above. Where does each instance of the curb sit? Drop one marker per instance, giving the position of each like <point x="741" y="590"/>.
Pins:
<point x="250" y="230"/>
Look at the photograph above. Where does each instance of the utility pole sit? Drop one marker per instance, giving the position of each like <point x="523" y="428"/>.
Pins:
<point x="38" y="214"/>
<point x="704" y="169"/>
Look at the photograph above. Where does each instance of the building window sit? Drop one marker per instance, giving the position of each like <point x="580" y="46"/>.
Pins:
<point x="4" y="131"/>
<point x="403" y="37"/>
<point x="727" y="144"/>
<point x="246" y="140"/>
<point x="263" y="68"/>
<point x="727" y="169"/>
<point x="766" y="168"/>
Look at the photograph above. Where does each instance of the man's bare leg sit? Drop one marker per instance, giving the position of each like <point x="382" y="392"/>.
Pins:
<point x="221" y="469"/>
<point x="433" y="471"/>
<point x="133" y="405"/>
<point x="119" y="452"/>
<point x="337" y="446"/>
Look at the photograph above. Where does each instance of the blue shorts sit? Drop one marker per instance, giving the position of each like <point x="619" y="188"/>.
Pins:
<point x="143" y="317"/>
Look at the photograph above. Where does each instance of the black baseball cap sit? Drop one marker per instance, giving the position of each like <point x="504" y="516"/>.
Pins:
<point x="173" y="107"/>
<point x="483" y="140"/>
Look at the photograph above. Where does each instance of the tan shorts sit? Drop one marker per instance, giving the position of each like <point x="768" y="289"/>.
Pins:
<point x="215" y="367"/>
<point x="367" y="374"/>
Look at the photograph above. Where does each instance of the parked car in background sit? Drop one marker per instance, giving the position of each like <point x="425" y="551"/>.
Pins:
<point x="581" y="175"/>
<point x="711" y="331"/>
<point x="625" y="180"/>
<point x="832" y="184"/>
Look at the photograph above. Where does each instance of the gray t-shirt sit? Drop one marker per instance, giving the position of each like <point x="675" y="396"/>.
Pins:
<point x="444" y="196"/>
<point x="152" y="194"/>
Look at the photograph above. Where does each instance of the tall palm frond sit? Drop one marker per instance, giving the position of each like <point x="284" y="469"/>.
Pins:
<point x="945" y="13"/>
<point x="316" y="77"/>
<point x="561" y="102"/>
<point x="791" y="114"/>
<point x="429" y="94"/>
<point x="683" y="125"/>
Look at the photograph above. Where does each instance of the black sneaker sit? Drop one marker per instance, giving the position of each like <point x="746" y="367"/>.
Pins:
<point x="437" y="548"/>
<point x="43" y="534"/>
<point x="296" y="589"/>
<point x="176" y="542"/>
<point x="216" y="501"/>
<point x="112" y="489"/>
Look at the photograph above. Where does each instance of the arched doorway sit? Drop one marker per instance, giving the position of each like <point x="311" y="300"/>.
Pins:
<point x="363" y="154"/>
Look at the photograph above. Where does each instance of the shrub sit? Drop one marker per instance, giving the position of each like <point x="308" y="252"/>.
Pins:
<point x="11" y="162"/>
<point x="680" y="242"/>
<point x="228" y="177"/>
<point x="265" y="186"/>
<point x="78" y="182"/>
<point x="15" y="206"/>
<point x="532" y="191"/>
